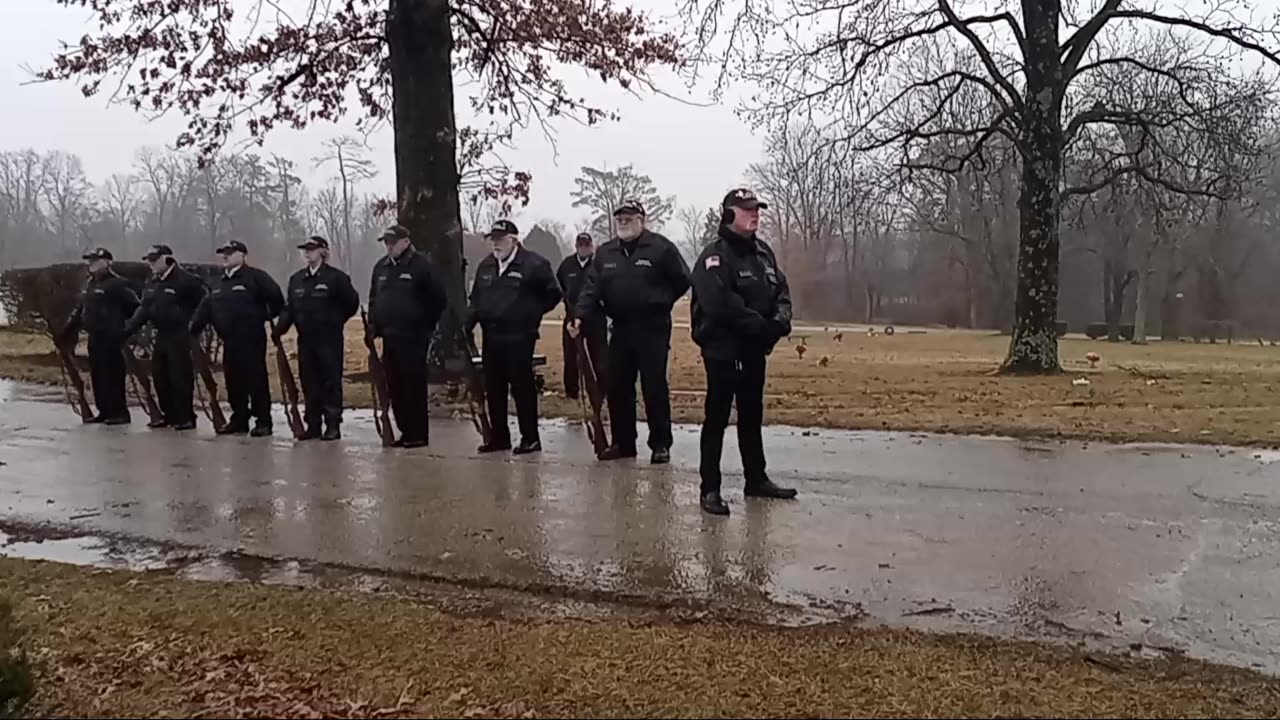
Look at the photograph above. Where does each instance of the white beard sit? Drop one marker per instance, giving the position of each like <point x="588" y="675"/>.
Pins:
<point x="503" y="254"/>
<point x="630" y="233"/>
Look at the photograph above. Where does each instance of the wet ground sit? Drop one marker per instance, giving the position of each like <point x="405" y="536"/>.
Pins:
<point x="1157" y="548"/>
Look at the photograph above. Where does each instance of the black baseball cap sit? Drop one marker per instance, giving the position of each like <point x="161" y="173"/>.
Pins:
<point x="584" y="239"/>
<point x="233" y="246"/>
<point x="745" y="199"/>
<point x="314" y="242"/>
<point x="630" y="207"/>
<point x="395" y="232"/>
<point x="98" y="254"/>
<point x="156" y="251"/>
<point x="502" y="227"/>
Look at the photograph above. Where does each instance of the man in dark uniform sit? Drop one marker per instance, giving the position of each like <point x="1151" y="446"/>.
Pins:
<point x="169" y="300"/>
<point x="104" y="309"/>
<point x="634" y="279"/>
<point x="570" y="275"/>
<point x="513" y="288"/>
<point x="405" y="303"/>
<point x="320" y="301"/>
<point x="238" y="305"/>
<point x="741" y="308"/>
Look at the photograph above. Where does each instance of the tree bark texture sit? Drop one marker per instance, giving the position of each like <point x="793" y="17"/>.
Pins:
<point x="420" y="44"/>
<point x="1033" y="349"/>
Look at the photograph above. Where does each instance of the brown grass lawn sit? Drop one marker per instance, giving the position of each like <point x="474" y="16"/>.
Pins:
<point x="122" y="644"/>
<point x="938" y="380"/>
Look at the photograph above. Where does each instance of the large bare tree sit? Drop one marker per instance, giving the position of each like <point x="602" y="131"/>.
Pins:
<point x="234" y="66"/>
<point x="883" y="72"/>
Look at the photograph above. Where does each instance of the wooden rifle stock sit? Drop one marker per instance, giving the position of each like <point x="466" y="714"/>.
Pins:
<point x="591" y="393"/>
<point x="141" y="385"/>
<point x="71" y="380"/>
<point x="288" y="386"/>
<point x="378" y="381"/>
<point x="212" y="408"/>
<point x="476" y="400"/>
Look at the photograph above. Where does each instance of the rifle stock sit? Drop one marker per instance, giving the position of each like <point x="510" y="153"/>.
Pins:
<point x="378" y="381"/>
<point x="479" y="405"/>
<point x="141" y="385"/>
<point x="591" y="389"/>
<point x="205" y="369"/>
<point x="288" y="386"/>
<point x="72" y="381"/>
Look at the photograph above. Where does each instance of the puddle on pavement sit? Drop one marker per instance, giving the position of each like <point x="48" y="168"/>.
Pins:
<point x="470" y="598"/>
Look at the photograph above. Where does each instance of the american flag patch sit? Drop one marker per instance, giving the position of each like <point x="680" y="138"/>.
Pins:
<point x="713" y="261"/>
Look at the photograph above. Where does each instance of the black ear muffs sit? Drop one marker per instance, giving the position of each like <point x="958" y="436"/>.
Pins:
<point x="726" y="215"/>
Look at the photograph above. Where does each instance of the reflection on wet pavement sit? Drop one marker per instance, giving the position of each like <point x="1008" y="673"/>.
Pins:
<point x="1154" y="546"/>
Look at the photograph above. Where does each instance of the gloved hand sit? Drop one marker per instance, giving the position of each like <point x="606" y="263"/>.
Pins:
<point x="781" y="325"/>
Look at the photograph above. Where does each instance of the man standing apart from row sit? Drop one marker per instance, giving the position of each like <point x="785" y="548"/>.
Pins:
<point x="104" y="309"/>
<point x="635" y="279"/>
<point x="513" y="288"/>
<point x="169" y="300"/>
<point x="405" y="303"/>
<point x="571" y="275"/>
<point x="320" y="300"/>
<point x="741" y="308"/>
<point x="240" y="303"/>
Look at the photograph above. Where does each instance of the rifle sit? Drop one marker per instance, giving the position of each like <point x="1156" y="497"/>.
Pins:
<point x="590" y="390"/>
<point x="288" y="386"/>
<point x="140" y="384"/>
<point x="475" y="387"/>
<point x="378" y="382"/>
<point x="211" y="408"/>
<point x="71" y="380"/>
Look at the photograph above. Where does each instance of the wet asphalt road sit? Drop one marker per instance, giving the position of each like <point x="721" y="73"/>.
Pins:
<point x="1163" y="546"/>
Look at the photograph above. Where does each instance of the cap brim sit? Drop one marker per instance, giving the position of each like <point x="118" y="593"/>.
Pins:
<point x="627" y="211"/>
<point x="752" y="205"/>
<point x="309" y="246"/>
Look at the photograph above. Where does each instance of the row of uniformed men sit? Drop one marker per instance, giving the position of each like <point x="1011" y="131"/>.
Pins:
<point x="741" y="308"/>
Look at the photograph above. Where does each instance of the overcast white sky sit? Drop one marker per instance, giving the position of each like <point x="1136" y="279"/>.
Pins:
<point x="694" y="153"/>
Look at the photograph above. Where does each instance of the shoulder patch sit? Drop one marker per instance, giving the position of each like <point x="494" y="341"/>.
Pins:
<point x="713" y="261"/>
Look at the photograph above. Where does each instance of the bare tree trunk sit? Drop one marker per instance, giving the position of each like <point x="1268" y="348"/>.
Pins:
<point x="420" y="44"/>
<point x="1140" y="305"/>
<point x="1033" y="349"/>
<point x="1111" y="300"/>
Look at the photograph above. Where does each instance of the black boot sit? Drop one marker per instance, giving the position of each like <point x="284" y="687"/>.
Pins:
<point x="311" y="433"/>
<point x="229" y="429"/>
<point x="615" y="452"/>
<point x="766" y="489"/>
<point x="157" y="424"/>
<point x="118" y="420"/>
<point x="261" y="430"/>
<point x="713" y="504"/>
<point x="331" y="432"/>
<point x="660" y="457"/>
<point x="185" y="425"/>
<point x="527" y="446"/>
<point x="94" y="420"/>
<point x="494" y="446"/>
